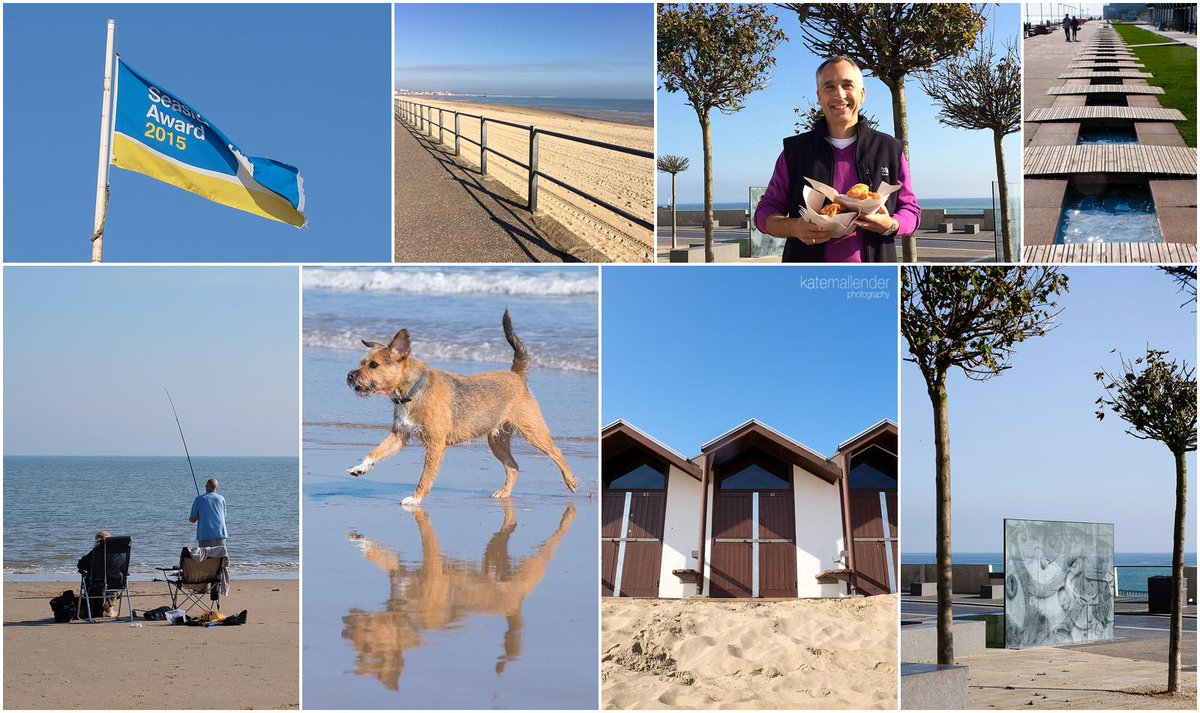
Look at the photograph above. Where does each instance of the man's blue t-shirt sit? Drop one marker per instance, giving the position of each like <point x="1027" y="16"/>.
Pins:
<point x="209" y="511"/>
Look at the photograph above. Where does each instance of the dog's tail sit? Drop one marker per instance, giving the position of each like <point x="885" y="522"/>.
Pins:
<point x="520" y="354"/>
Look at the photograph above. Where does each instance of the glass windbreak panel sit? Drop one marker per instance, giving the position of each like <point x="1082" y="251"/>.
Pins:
<point x="643" y="477"/>
<point x="753" y="477"/>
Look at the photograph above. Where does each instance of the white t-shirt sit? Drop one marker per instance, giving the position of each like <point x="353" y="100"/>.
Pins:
<point x="840" y="143"/>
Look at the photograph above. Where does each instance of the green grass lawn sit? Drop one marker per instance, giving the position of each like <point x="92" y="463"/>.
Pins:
<point x="1174" y="69"/>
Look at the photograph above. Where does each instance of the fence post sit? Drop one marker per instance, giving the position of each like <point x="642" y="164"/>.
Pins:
<point x="456" y="151"/>
<point x="483" y="146"/>
<point x="441" y="126"/>
<point x="533" y="169"/>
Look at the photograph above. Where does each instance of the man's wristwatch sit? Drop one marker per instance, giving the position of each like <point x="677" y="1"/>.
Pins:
<point x="892" y="230"/>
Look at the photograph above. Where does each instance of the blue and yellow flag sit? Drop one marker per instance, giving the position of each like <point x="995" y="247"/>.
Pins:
<point x="157" y="134"/>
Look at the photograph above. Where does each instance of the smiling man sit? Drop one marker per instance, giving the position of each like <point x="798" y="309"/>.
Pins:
<point x="840" y="151"/>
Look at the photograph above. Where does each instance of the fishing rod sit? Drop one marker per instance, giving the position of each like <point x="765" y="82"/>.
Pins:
<point x="185" y="448"/>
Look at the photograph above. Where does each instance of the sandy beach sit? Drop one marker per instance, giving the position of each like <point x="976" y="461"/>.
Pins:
<point x="622" y="180"/>
<point x="116" y="666"/>
<point x="777" y="654"/>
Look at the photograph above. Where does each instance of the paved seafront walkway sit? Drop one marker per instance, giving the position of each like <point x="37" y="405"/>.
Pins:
<point x="448" y="213"/>
<point x="1091" y="83"/>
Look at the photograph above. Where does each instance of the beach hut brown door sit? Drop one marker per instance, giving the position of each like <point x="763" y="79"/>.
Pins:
<point x="873" y="527"/>
<point x="632" y="533"/>
<point x="754" y="535"/>
<point x="874" y="520"/>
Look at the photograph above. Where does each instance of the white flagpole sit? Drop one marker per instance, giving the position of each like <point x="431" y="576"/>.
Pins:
<point x="105" y="137"/>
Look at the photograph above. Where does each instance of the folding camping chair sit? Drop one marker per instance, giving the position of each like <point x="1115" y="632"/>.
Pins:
<point x="192" y="579"/>
<point x="107" y="575"/>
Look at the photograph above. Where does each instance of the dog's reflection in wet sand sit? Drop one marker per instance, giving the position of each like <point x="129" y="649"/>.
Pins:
<point x="440" y="592"/>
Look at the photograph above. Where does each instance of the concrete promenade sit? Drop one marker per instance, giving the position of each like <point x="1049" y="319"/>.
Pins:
<point x="1044" y="89"/>
<point x="445" y="212"/>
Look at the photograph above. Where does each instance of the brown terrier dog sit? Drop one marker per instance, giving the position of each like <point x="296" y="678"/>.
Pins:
<point x="444" y="409"/>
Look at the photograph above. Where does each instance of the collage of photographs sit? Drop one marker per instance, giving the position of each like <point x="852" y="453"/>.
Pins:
<point x="516" y="378"/>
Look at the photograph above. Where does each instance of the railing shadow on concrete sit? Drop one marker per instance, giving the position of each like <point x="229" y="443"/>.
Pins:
<point x="421" y="117"/>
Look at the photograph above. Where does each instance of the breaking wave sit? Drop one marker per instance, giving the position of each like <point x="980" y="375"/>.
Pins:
<point x="497" y="352"/>
<point x="453" y="282"/>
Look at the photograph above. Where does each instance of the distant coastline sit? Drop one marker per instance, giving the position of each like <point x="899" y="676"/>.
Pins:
<point x="949" y="204"/>
<point x="638" y="112"/>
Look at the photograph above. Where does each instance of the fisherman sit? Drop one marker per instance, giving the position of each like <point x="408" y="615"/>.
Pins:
<point x="208" y="512"/>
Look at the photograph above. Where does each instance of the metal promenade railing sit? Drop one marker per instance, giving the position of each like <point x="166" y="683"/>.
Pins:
<point x="422" y="117"/>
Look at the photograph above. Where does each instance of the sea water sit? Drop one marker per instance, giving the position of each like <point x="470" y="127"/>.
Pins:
<point x="469" y="601"/>
<point x="1133" y="568"/>
<point x="639" y="112"/>
<point x="54" y="505"/>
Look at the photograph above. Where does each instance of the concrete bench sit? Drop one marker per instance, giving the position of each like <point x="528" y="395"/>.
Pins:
<point x="930" y="687"/>
<point x="971" y="228"/>
<point x="722" y="252"/>
<point x="923" y="589"/>
<point x="918" y="642"/>
<point x="945" y="227"/>
<point x="991" y="591"/>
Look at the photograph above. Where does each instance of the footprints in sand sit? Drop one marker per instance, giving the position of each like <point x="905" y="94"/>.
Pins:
<point x="720" y="654"/>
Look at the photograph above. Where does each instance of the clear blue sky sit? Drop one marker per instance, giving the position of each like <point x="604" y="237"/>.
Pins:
<point x="307" y="85"/>
<point x="87" y="353"/>
<point x="945" y="162"/>
<point x="1027" y="444"/>
<point x="689" y="353"/>
<point x="1035" y="11"/>
<point x="603" y="51"/>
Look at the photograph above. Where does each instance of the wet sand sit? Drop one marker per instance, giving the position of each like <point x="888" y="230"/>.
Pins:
<point x="112" y="665"/>
<point x="620" y="179"/>
<point x="468" y="602"/>
<point x="774" y="654"/>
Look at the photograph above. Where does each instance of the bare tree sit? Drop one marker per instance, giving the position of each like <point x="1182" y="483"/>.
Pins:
<point x="811" y="115"/>
<point x="891" y="41"/>
<point x="970" y="318"/>
<point x="717" y="55"/>
<point x="1184" y="277"/>
<point x="673" y="165"/>
<point x="979" y="91"/>
<point x="1157" y="398"/>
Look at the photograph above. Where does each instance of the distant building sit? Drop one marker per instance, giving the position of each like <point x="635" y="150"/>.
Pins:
<point x="1127" y="12"/>
<point x="1178" y="16"/>
<point x="756" y="514"/>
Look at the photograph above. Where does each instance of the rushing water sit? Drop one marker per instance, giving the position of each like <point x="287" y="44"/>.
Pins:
<point x="1119" y="214"/>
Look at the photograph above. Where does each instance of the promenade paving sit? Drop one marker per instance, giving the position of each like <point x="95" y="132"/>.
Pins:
<point x="445" y="212"/>
<point x="1051" y="150"/>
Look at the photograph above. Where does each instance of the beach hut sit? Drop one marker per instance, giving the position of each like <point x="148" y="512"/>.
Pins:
<point x="756" y="514"/>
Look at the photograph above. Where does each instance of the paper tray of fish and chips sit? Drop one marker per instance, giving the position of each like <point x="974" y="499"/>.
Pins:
<point x="859" y="199"/>
<point x="832" y="218"/>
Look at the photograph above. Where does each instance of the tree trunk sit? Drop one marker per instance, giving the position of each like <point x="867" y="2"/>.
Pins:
<point x="674" y="244"/>
<point x="1174" y="655"/>
<point x="706" y="134"/>
<point x="945" y="602"/>
<point x="1005" y="224"/>
<point x="900" y="127"/>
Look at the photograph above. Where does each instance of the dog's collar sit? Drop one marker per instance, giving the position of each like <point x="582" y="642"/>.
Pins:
<point x="399" y="398"/>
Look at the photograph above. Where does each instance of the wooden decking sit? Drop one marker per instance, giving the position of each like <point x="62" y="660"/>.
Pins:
<point x="1094" y="74"/>
<point x="1079" y="113"/>
<point x="1094" y="63"/>
<point x="1112" y="158"/>
<point x="1105" y="89"/>
<point x="1165" y="253"/>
